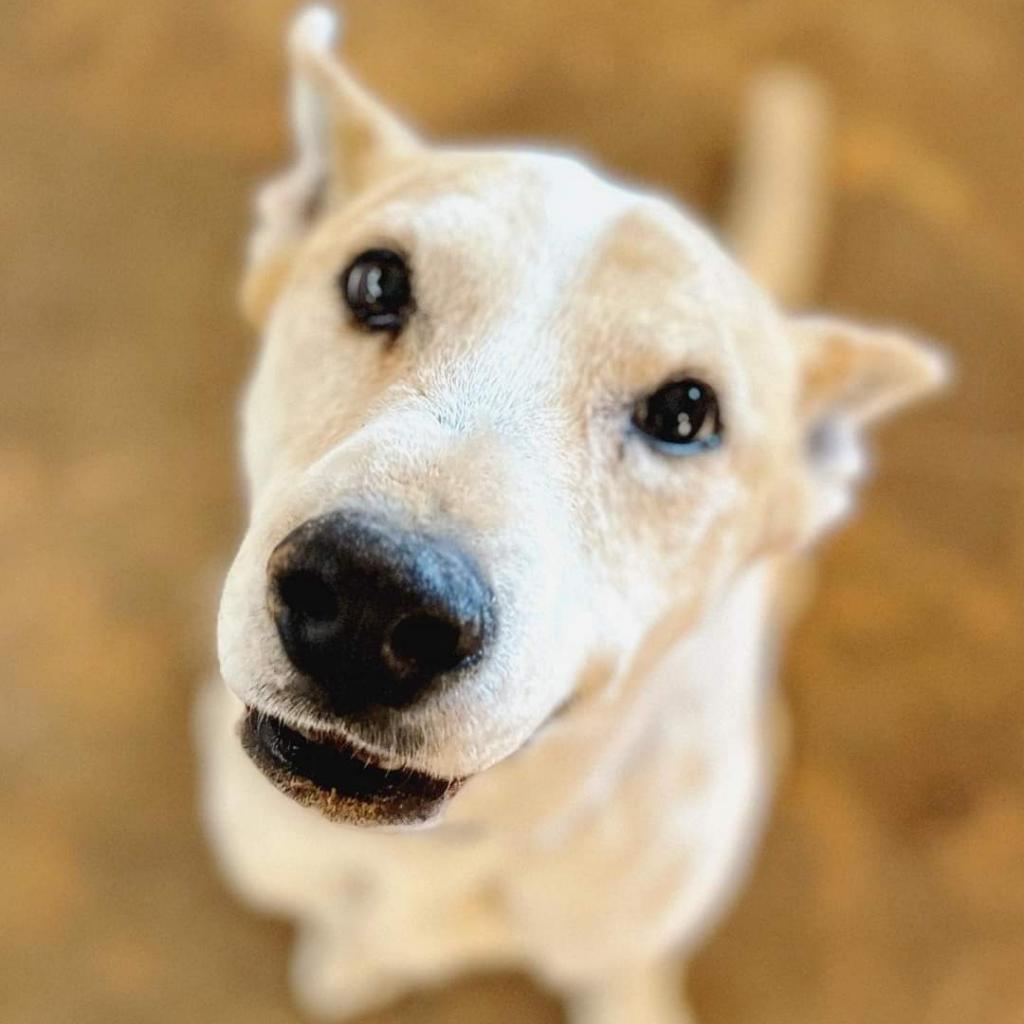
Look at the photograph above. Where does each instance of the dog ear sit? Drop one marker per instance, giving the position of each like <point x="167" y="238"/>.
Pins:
<point x="344" y="140"/>
<point x="851" y="377"/>
<point x="862" y="373"/>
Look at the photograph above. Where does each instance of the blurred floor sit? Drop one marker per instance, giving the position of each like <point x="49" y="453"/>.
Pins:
<point x="891" y="888"/>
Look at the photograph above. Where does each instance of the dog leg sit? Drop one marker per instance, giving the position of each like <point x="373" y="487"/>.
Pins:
<point x="333" y="978"/>
<point x="649" y="993"/>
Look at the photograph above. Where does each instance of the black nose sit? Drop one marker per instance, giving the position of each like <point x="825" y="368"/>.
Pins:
<point x="371" y="613"/>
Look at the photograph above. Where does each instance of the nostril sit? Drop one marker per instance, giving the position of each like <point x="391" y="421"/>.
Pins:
<point x="308" y="594"/>
<point x="423" y="645"/>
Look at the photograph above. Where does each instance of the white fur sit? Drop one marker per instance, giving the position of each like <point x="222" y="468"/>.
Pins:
<point x="587" y="857"/>
<point x="616" y="737"/>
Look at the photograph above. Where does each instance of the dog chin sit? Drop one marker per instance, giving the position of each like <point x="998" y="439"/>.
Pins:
<point x="344" y="784"/>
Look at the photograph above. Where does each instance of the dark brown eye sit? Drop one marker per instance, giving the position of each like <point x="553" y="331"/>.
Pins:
<point x="681" y="417"/>
<point x="377" y="288"/>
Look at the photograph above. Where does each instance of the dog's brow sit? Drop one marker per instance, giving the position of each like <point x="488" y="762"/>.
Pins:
<point x="641" y="241"/>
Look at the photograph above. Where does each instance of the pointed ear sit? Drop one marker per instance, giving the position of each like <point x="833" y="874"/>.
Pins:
<point x="850" y="377"/>
<point x="861" y="374"/>
<point x="344" y="140"/>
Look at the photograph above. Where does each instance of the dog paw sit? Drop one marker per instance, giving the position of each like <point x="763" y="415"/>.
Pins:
<point x="334" y="984"/>
<point x="650" y="996"/>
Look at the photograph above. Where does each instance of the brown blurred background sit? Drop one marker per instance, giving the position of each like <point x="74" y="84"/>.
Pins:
<point x="891" y="887"/>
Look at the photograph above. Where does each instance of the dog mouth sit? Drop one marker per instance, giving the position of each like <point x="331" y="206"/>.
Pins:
<point x="344" y="784"/>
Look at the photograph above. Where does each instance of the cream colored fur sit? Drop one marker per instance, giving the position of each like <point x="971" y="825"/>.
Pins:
<point x="617" y="739"/>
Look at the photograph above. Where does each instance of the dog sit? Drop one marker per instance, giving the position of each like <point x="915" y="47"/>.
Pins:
<point x="528" y="457"/>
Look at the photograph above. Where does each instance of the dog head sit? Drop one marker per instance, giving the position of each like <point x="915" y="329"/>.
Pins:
<point x="510" y="421"/>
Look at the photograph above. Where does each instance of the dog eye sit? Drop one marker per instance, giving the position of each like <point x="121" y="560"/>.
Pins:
<point x="378" y="290"/>
<point x="681" y="417"/>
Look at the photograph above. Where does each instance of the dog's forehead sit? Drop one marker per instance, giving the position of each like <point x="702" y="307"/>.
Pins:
<point x="543" y="209"/>
<point x="532" y="260"/>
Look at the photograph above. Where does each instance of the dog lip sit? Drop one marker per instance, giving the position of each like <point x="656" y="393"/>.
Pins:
<point x="343" y="783"/>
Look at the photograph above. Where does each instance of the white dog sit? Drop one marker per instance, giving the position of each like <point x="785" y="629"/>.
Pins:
<point x="527" y="451"/>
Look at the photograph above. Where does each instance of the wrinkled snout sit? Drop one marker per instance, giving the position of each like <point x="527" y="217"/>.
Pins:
<point x="372" y="614"/>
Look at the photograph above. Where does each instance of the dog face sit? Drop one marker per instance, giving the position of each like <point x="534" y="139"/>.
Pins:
<point x="512" y="427"/>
